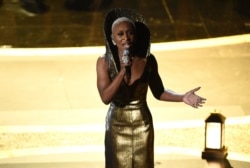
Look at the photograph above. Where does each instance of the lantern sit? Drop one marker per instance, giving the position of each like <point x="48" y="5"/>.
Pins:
<point x="214" y="137"/>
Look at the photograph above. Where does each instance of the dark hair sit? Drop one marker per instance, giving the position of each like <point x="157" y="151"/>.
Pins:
<point x="142" y="44"/>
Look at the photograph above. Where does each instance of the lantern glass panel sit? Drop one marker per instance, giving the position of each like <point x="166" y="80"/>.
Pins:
<point x="213" y="136"/>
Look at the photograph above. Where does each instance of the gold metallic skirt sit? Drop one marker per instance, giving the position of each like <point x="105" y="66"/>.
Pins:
<point x="129" y="138"/>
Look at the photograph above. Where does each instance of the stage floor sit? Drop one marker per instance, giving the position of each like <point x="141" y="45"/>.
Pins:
<point x="50" y="105"/>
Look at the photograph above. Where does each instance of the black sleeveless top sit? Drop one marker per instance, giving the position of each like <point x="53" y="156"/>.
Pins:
<point x="138" y="90"/>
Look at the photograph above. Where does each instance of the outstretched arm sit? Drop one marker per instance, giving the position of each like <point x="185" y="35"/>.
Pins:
<point x="157" y="88"/>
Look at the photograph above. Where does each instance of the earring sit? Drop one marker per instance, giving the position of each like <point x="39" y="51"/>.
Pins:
<point x="113" y="42"/>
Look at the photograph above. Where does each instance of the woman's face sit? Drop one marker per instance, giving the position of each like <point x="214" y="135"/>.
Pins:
<point x="123" y="35"/>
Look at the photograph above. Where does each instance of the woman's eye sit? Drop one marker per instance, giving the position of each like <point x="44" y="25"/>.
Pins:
<point x="120" y="34"/>
<point x="131" y="33"/>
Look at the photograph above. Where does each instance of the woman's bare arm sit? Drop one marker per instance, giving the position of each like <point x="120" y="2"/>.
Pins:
<point x="106" y="87"/>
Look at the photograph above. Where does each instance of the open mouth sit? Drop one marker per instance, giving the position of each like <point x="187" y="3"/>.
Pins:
<point x="127" y="45"/>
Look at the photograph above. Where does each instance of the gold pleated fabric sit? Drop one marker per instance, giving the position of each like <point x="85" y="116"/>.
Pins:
<point x="129" y="136"/>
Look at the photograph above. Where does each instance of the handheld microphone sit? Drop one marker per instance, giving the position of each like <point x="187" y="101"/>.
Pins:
<point x="125" y="60"/>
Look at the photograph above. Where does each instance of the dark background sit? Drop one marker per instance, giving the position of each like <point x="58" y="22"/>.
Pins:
<point x="68" y="23"/>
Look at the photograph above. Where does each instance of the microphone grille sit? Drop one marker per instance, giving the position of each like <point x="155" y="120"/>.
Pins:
<point x="126" y="52"/>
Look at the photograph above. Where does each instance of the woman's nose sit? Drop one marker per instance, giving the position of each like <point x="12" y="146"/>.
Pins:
<point x="127" y="37"/>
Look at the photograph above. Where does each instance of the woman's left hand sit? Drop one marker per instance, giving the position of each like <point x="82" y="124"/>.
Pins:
<point x="192" y="99"/>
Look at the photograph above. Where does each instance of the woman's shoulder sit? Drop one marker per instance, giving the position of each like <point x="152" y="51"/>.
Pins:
<point x="101" y="59"/>
<point x="101" y="63"/>
<point x="151" y="57"/>
<point x="152" y="62"/>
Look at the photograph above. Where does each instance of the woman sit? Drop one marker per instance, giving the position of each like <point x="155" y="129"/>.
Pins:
<point x="123" y="83"/>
